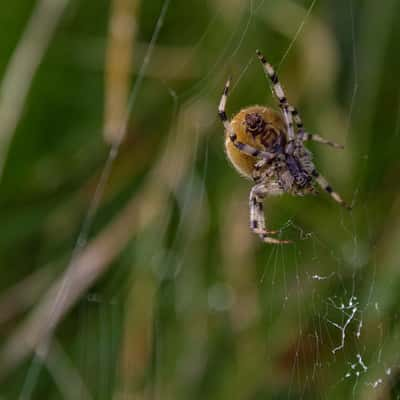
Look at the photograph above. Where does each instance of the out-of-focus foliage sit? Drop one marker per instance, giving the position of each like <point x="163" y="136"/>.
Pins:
<point x="193" y="305"/>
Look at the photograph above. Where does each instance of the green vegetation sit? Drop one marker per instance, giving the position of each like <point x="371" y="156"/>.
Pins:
<point x="165" y="293"/>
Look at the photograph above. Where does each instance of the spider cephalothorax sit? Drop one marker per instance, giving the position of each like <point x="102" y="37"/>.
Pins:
<point x="268" y="148"/>
<point x="300" y="176"/>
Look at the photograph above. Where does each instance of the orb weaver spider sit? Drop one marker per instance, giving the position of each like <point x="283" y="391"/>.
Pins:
<point x="268" y="147"/>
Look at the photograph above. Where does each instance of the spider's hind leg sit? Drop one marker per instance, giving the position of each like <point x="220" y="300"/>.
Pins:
<point x="257" y="219"/>
<point x="328" y="188"/>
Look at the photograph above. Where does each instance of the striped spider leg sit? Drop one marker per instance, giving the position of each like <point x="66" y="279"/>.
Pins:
<point x="243" y="147"/>
<point x="258" y="174"/>
<point x="257" y="218"/>
<point x="279" y="93"/>
<point x="294" y="114"/>
<point x="305" y="136"/>
<point x="328" y="188"/>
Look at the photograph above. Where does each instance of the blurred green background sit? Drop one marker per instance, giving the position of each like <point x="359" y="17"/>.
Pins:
<point x="114" y="182"/>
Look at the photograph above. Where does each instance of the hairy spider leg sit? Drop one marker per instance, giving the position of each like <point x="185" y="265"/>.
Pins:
<point x="305" y="136"/>
<point x="258" y="174"/>
<point x="328" y="188"/>
<point x="243" y="147"/>
<point x="279" y="93"/>
<point x="257" y="218"/>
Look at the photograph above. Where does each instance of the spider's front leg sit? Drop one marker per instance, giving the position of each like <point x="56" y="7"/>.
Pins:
<point x="257" y="219"/>
<point x="243" y="147"/>
<point x="279" y="93"/>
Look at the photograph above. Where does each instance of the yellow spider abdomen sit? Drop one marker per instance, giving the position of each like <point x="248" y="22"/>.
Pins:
<point x="266" y="135"/>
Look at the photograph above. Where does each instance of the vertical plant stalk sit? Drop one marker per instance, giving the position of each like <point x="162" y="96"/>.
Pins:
<point x="23" y="66"/>
<point x="118" y="66"/>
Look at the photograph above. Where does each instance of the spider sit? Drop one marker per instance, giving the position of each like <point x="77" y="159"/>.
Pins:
<point x="268" y="147"/>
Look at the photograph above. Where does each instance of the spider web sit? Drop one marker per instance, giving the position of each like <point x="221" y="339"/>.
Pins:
<point x="197" y="306"/>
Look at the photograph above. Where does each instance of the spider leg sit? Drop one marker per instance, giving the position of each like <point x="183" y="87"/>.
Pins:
<point x="304" y="136"/>
<point x="243" y="147"/>
<point x="258" y="174"/>
<point x="257" y="219"/>
<point x="328" y="188"/>
<point x="279" y="93"/>
<point x="317" y="138"/>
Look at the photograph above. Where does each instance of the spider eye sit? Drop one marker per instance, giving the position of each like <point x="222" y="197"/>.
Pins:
<point x="255" y="123"/>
